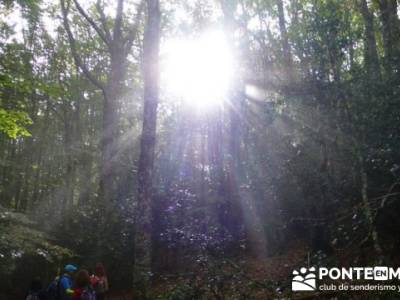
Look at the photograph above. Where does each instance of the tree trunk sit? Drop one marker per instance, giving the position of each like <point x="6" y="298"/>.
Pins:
<point x="390" y="32"/>
<point x="10" y="176"/>
<point x="143" y="220"/>
<point x="368" y="211"/>
<point x="107" y="146"/>
<point x="231" y="208"/>
<point x="117" y="46"/>
<point x="371" y="54"/>
<point x="110" y="133"/>
<point x="287" y="56"/>
<point x="70" y="160"/>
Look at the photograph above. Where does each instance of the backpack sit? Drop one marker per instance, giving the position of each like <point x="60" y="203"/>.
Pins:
<point x="33" y="296"/>
<point x="88" y="294"/>
<point x="54" y="289"/>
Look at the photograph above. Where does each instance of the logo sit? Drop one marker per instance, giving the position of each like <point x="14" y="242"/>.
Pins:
<point x="381" y="273"/>
<point x="305" y="280"/>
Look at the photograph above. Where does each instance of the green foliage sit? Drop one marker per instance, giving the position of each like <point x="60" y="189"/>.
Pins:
<point x="180" y="292"/>
<point x="13" y="123"/>
<point x="26" y="252"/>
<point x="20" y="238"/>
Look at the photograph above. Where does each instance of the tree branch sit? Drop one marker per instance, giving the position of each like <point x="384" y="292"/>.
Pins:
<point x="103" y="19"/>
<point x="134" y="29"/>
<point x="92" y="23"/>
<point x="78" y="60"/>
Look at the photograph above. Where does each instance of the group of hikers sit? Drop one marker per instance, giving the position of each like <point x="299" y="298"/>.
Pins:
<point x="73" y="284"/>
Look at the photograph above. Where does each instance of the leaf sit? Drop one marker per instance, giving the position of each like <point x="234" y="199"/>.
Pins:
<point x="13" y="123"/>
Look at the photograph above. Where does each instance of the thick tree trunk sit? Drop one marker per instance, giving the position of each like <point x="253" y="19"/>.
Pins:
<point x="371" y="54"/>
<point x="107" y="147"/>
<point x="390" y="32"/>
<point x="232" y="209"/>
<point x="143" y="220"/>
<point x="110" y="158"/>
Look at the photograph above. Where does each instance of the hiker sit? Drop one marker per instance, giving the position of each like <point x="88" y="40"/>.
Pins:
<point x="99" y="281"/>
<point x="61" y="287"/>
<point x="36" y="291"/>
<point x="82" y="287"/>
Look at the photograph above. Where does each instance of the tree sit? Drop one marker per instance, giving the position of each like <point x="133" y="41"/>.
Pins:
<point x="286" y="52"/>
<point x="143" y="220"/>
<point x="371" y="54"/>
<point x="117" y="45"/>
<point x="390" y="33"/>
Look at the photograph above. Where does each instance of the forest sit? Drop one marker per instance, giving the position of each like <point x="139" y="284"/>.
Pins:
<point x="200" y="149"/>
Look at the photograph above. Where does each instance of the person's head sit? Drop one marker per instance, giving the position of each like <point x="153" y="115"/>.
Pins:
<point x="36" y="284"/>
<point x="70" y="269"/>
<point x="99" y="270"/>
<point x="82" y="279"/>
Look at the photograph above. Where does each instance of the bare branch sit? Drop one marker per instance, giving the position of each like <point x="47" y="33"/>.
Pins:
<point x="78" y="60"/>
<point x="92" y="23"/>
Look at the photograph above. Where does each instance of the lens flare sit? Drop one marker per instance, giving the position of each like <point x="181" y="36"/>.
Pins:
<point x="198" y="71"/>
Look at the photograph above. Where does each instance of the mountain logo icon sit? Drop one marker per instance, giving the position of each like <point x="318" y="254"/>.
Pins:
<point x="305" y="280"/>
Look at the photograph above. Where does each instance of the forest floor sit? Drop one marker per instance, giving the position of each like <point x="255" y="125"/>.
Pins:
<point x="266" y="278"/>
<point x="255" y="271"/>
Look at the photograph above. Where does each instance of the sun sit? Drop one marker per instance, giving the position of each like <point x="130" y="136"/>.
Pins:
<point x="197" y="71"/>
